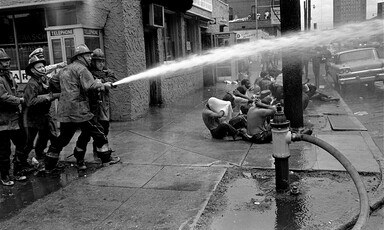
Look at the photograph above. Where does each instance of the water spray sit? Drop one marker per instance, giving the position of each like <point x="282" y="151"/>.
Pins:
<point x="297" y="43"/>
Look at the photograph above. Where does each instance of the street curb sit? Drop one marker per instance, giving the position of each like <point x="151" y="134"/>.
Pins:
<point x="204" y="205"/>
<point x="378" y="198"/>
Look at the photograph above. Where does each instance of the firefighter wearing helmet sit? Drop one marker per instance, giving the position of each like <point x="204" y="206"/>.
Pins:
<point x="36" y="110"/>
<point x="39" y="52"/>
<point x="76" y="83"/>
<point x="100" y="101"/>
<point x="10" y="129"/>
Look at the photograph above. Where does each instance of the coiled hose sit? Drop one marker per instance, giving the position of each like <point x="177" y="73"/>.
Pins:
<point x="363" y="195"/>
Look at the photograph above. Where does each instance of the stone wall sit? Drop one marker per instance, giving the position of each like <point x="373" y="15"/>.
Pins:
<point x="177" y="85"/>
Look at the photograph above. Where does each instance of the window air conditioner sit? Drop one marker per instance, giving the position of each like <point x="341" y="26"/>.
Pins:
<point x="156" y="15"/>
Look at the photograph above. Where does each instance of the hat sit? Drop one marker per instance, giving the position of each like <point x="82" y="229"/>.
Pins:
<point x="38" y="52"/>
<point x="98" y="54"/>
<point x="31" y="63"/>
<point x="80" y="50"/>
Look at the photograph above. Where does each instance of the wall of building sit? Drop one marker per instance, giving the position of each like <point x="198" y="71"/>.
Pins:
<point x="220" y="13"/>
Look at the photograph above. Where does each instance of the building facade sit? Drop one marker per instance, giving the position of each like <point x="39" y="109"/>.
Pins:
<point x="346" y="11"/>
<point x="248" y="15"/>
<point x="135" y="35"/>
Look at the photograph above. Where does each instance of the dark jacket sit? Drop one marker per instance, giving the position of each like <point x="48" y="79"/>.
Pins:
<point x="37" y="103"/>
<point x="100" y="100"/>
<point x="75" y="83"/>
<point x="9" y="102"/>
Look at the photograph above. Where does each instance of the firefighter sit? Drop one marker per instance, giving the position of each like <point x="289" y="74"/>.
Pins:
<point x="39" y="52"/>
<point x="36" y="113"/>
<point x="100" y="100"/>
<point x="74" y="111"/>
<point x="10" y="126"/>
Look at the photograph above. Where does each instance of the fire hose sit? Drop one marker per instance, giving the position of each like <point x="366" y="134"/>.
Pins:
<point x="363" y="195"/>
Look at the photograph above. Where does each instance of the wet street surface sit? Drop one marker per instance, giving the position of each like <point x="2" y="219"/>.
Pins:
<point x="17" y="197"/>
<point x="367" y="104"/>
<point x="246" y="199"/>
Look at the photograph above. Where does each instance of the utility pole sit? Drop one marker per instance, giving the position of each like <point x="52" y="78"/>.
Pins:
<point x="305" y="16"/>
<point x="292" y="66"/>
<point x="309" y="14"/>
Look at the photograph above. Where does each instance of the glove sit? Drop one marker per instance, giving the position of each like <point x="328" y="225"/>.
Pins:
<point x="108" y="85"/>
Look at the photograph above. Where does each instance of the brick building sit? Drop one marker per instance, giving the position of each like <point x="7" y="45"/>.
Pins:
<point x="135" y="35"/>
<point x="346" y="11"/>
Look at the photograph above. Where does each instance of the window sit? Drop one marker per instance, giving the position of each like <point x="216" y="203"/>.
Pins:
<point x="170" y="37"/>
<point x="190" y="36"/>
<point x="65" y="15"/>
<point x="30" y="35"/>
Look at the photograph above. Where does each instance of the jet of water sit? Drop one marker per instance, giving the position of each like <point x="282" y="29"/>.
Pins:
<point x="294" y="43"/>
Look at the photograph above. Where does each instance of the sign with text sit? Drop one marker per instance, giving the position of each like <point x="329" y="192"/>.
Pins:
<point x="20" y="77"/>
<point x="61" y="32"/>
<point x="275" y="16"/>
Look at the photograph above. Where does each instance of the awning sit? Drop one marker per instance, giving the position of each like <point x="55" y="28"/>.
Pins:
<point x="37" y="4"/>
<point x="176" y="5"/>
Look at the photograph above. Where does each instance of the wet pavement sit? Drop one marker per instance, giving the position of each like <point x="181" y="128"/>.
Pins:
<point x="171" y="166"/>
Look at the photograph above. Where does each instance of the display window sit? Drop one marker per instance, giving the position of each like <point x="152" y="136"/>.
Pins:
<point x="22" y="32"/>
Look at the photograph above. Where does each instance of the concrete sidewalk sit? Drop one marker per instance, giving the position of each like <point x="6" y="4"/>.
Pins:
<point x="170" y="166"/>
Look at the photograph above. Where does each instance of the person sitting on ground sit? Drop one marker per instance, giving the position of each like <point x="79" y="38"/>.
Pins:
<point x="243" y="90"/>
<point x="310" y="93"/>
<point x="258" y="123"/>
<point x="239" y="120"/>
<point x="216" y="117"/>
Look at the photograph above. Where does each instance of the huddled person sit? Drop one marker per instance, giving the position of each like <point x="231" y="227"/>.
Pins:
<point x="217" y="117"/>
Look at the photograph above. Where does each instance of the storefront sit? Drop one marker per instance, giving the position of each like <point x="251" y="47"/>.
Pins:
<point x="123" y="29"/>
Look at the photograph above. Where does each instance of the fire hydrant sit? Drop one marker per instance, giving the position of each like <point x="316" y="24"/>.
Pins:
<point x="281" y="138"/>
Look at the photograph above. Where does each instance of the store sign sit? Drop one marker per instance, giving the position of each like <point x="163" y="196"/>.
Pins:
<point x="91" y="32"/>
<point x="61" y="32"/>
<point x="275" y="16"/>
<point x="20" y="77"/>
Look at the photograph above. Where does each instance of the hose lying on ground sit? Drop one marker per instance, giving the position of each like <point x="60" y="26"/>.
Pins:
<point x="363" y="195"/>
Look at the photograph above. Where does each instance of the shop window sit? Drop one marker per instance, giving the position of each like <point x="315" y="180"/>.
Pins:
<point x="61" y="16"/>
<point x="92" y="42"/>
<point x="29" y="35"/>
<point x="190" y="36"/>
<point x="170" y="43"/>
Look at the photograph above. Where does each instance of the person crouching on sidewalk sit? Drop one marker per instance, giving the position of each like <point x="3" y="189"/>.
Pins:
<point x="217" y="115"/>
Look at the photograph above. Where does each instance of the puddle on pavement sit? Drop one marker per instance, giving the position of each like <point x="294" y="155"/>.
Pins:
<point x="22" y="194"/>
<point x="249" y="201"/>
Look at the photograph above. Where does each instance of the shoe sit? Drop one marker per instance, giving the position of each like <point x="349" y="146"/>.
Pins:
<point x="6" y="181"/>
<point x="20" y="178"/>
<point x="81" y="165"/>
<point x="112" y="160"/>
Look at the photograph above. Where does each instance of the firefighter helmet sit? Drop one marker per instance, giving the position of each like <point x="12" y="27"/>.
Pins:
<point x="80" y="50"/>
<point x="98" y="54"/>
<point x="31" y="63"/>
<point x="3" y="55"/>
<point x="38" y="52"/>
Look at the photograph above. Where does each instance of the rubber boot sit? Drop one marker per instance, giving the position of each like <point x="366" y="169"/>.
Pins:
<point x="21" y="166"/>
<point x="79" y="155"/>
<point x="51" y="160"/>
<point x="106" y="158"/>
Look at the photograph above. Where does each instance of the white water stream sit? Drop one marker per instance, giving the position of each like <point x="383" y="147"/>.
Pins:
<point x="289" y="43"/>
